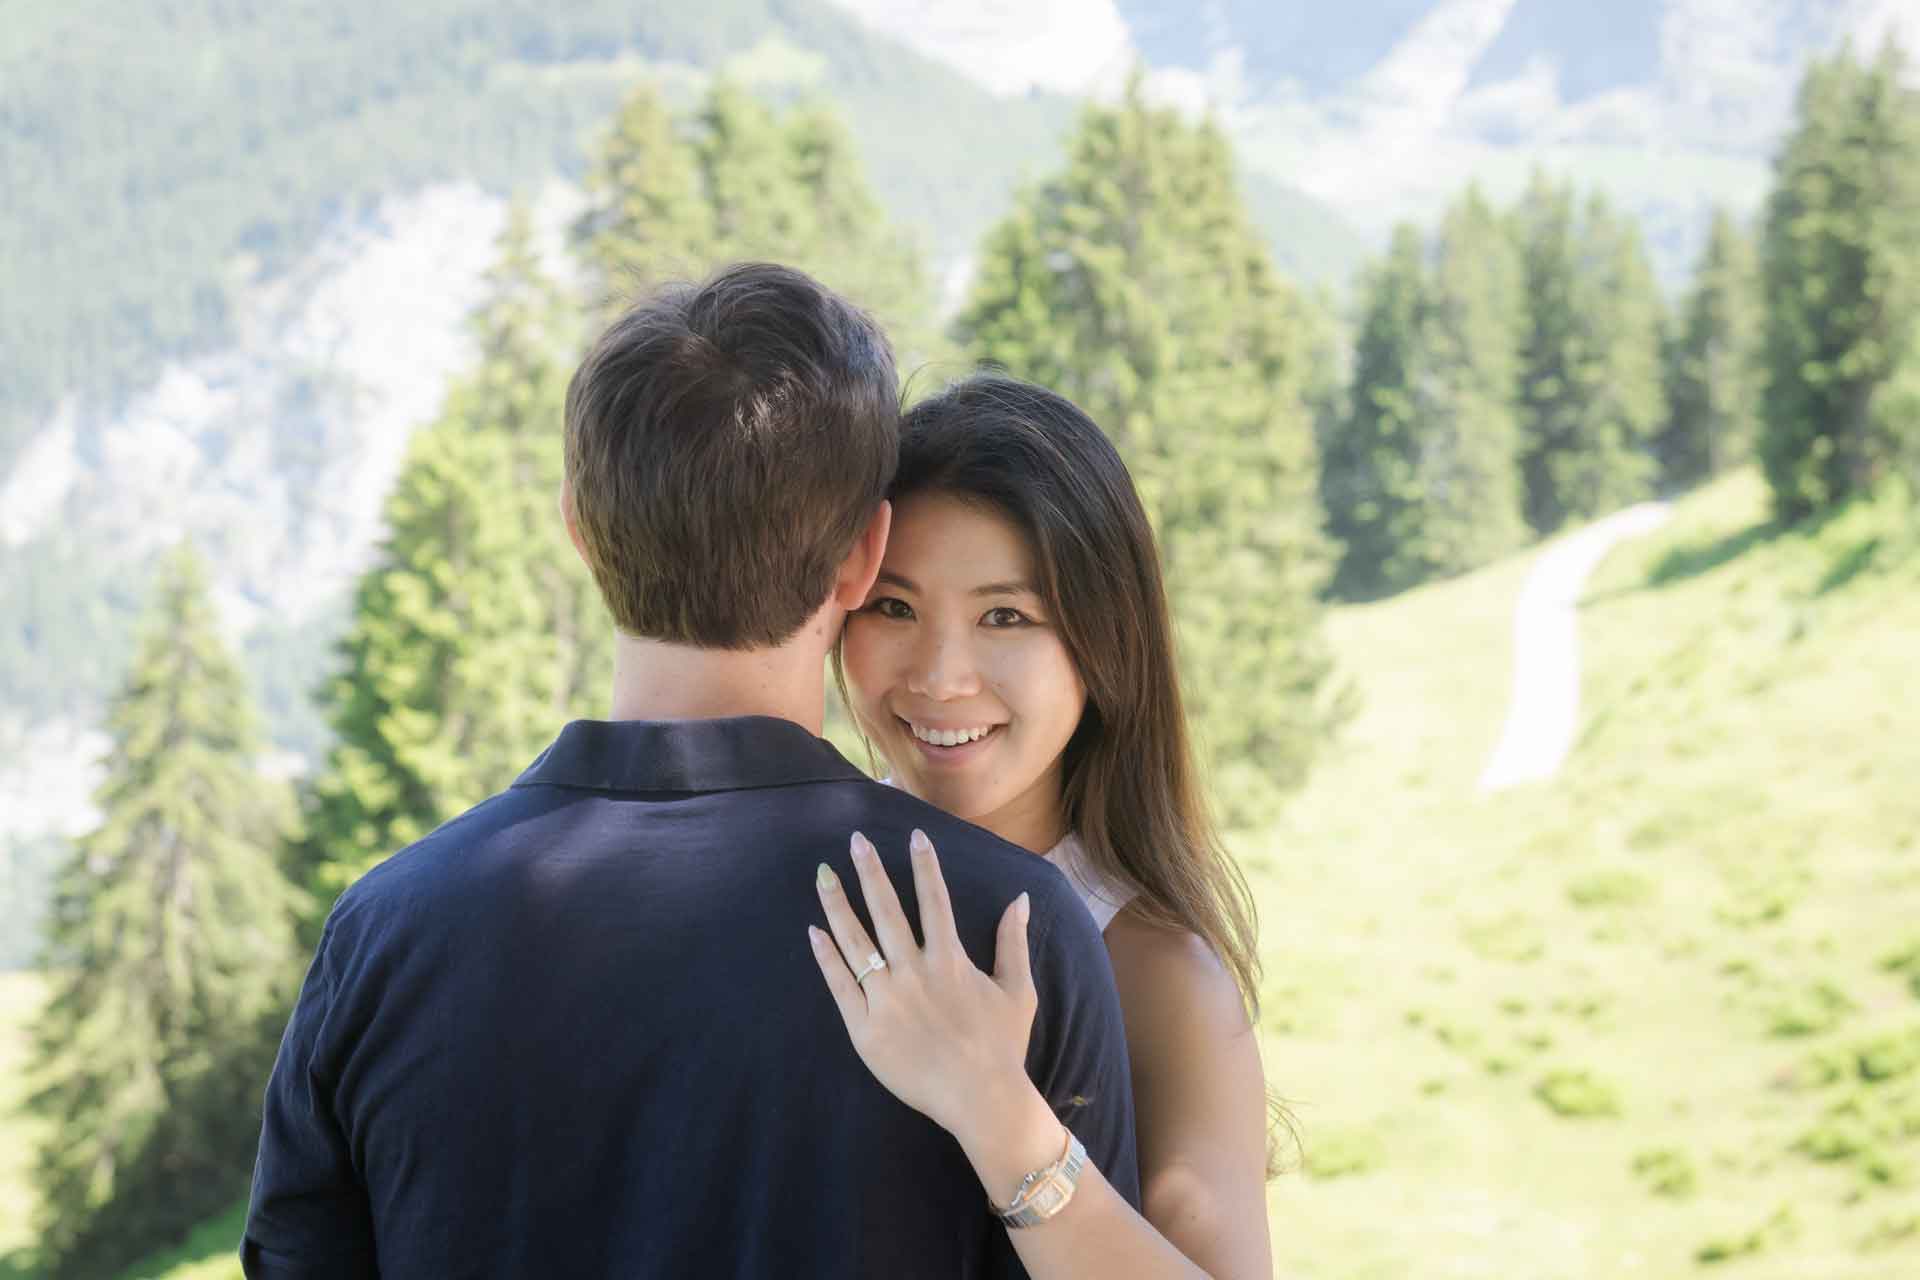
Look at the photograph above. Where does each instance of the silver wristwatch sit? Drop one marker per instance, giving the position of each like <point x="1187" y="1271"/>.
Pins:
<point x="1046" y="1190"/>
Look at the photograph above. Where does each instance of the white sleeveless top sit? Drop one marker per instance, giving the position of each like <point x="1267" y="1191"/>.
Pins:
<point x="1103" y="895"/>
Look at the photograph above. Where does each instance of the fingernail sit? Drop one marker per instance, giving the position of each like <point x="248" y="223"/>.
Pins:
<point x="1025" y="908"/>
<point x="918" y="842"/>
<point x="862" y="847"/>
<point x="815" y="937"/>
<point x="825" y="880"/>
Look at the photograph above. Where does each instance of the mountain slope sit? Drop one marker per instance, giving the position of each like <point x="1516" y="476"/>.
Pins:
<point x="1660" y="1010"/>
<point x="205" y="141"/>
<point x="1383" y="111"/>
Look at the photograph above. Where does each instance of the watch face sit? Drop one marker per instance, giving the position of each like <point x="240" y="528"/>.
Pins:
<point x="1053" y="1195"/>
<point x="1050" y="1193"/>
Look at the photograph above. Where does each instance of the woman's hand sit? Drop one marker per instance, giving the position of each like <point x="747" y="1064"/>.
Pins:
<point x="951" y="1042"/>
<point x="943" y="1037"/>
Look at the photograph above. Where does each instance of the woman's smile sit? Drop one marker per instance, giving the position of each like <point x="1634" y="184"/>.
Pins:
<point x="948" y="747"/>
<point x="958" y="673"/>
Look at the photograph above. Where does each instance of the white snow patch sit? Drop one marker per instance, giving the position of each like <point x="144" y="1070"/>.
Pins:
<point x="48" y="775"/>
<point x="1869" y="23"/>
<point x="1011" y="46"/>
<point x="276" y="455"/>
<point x="1423" y="75"/>
<point x="1722" y="70"/>
<point x="42" y="476"/>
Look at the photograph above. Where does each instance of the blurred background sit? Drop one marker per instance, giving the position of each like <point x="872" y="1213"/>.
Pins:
<point x="1527" y="394"/>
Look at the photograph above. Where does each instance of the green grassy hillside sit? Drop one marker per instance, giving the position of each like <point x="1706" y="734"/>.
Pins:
<point x="1662" y="1014"/>
<point x="1660" y="1017"/>
<point x="210" y="1253"/>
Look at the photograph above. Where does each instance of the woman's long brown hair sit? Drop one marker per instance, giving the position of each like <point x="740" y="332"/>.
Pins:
<point x="1132" y="792"/>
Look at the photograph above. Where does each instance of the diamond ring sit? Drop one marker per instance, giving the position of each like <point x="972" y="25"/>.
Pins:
<point x="875" y="963"/>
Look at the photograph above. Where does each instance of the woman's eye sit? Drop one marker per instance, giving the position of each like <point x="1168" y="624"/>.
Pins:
<point x="1005" y="616"/>
<point x="890" y="607"/>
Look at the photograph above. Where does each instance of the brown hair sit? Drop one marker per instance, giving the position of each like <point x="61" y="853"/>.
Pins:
<point x="726" y="443"/>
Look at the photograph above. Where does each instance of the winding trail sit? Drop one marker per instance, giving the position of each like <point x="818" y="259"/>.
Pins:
<point x="1543" y="712"/>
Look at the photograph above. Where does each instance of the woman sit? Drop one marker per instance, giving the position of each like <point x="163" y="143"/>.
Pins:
<point x="1014" y="664"/>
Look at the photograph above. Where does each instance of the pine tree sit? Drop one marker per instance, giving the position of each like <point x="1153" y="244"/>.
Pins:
<point x="850" y="244"/>
<point x="1469" y="510"/>
<point x="479" y="632"/>
<point x="1897" y="416"/>
<point x="1367" y="479"/>
<point x="1841" y="268"/>
<point x="1132" y="283"/>
<point x="1422" y="481"/>
<point x="170" y="952"/>
<point x="733" y="181"/>
<point x="1623" y="327"/>
<point x="1591" y="393"/>
<point x="1549" y="352"/>
<point x="1714" y="372"/>
<point x="647" y="217"/>
<point x="1328" y="344"/>
<point x="749" y="175"/>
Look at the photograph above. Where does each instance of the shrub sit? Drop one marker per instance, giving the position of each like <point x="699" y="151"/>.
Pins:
<point x="1610" y="889"/>
<point x="1577" y="1095"/>
<point x="1891" y="1232"/>
<point x="1513" y="937"/>
<point x="1890" y="1056"/>
<point x="1777" y="1229"/>
<point x="1811" y="1011"/>
<point x="1905" y="960"/>
<point x="1837" y="1137"/>
<point x="1668" y="1171"/>
<point x="1343" y="1152"/>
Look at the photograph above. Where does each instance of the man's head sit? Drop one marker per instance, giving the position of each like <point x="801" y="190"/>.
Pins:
<point x="727" y="445"/>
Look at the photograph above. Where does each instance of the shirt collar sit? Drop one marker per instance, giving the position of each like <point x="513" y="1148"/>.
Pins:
<point x="732" y="754"/>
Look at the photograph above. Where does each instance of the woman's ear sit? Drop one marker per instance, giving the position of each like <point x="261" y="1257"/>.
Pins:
<point x="862" y="564"/>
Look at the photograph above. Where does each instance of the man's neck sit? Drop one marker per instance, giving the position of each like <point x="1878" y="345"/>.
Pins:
<point x="653" y="680"/>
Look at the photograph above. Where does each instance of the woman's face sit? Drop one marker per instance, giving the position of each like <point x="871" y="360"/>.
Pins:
<point x="958" y="673"/>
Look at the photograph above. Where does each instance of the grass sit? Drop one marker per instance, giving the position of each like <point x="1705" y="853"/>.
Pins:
<point x="210" y="1253"/>
<point x="20" y="997"/>
<point x="1659" y="1016"/>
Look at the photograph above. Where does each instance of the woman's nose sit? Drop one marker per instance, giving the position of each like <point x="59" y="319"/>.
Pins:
<point x="943" y="669"/>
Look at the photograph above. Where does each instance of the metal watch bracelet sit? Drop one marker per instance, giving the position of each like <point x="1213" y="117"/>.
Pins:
<point x="1045" y="1192"/>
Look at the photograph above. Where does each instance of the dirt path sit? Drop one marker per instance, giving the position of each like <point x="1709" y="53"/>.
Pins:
<point x="1543" y="712"/>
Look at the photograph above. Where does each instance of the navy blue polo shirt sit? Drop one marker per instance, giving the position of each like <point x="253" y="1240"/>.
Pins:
<point x="578" y="1031"/>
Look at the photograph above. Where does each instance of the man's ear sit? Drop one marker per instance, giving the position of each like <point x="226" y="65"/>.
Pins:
<point x="572" y="521"/>
<point x="862" y="564"/>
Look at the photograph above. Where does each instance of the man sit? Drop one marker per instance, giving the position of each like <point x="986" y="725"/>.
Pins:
<point x="577" y="1031"/>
